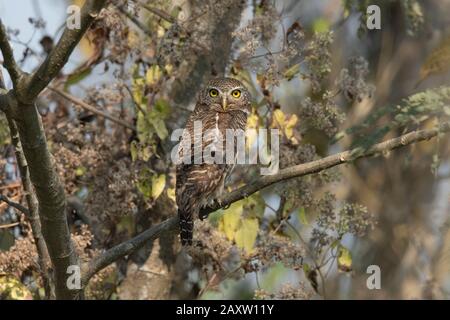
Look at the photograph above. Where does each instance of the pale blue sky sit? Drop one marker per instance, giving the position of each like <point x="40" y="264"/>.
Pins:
<point x="15" y="15"/>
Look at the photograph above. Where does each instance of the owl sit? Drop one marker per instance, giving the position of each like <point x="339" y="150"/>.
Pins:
<point x="223" y="104"/>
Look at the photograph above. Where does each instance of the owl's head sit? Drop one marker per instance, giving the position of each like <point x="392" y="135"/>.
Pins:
<point x="225" y="95"/>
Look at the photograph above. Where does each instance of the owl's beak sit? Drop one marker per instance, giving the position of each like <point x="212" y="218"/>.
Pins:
<point x="224" y="103"/>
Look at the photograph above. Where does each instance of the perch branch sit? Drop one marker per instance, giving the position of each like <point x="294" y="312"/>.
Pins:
<point x="92" y="109"/>
<point x="300" y="170"/>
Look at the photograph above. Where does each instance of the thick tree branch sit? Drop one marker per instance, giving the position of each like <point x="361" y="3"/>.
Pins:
<point x="22" y="112"/>
<point x="300" y="170"/>
<point x="33" y="210"/>
<point x="9" y="63"/>
<point x="92" y="109"/>
<point x="59" y="55"/>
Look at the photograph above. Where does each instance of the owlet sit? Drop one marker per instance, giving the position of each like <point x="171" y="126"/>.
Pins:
<point x="222" y="107"/>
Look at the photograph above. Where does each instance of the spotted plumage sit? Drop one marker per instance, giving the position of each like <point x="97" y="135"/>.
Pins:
<point x="223" y="104"/>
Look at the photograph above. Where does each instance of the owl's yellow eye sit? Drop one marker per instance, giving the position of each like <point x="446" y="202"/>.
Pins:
<point x="213" y="93"/>
<point x="236" y="93"/>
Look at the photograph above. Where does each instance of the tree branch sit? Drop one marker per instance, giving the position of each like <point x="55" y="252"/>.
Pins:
<point x="8" y="56"/>
<point x="32" y="213"/>
<point x="22" y="113"/>
<point x="33" y="210"/>
<point x="300" y="170"/>
<point x="126" y="248"/>
<point x="158" y="12"/>
<point x="15" y="205"/>
<point x="59" y="55"/>
<point x="92" y="109"/>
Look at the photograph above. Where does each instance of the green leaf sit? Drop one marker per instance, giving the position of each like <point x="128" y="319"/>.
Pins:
<point x="144" y="183"/>
<point x="302" y="216"/>
<point x="158" y="184"/>
<point x="126" y="224"/>
<point x="134" y="151"/>
<point x="75" y="78"/>
<point x="162" y="106"/>
<point x="160" y="127"/>
<point x="321" y="25"/>
<point x="290" y="73"/>
<point x="80" y="171"/>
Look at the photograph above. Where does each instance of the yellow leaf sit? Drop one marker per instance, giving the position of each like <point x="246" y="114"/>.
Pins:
<point x="158" y="184"/>
<point x="246" y="234"/>
<point x="138" y="86"/>
<point x="290" y="124"/>
<point x="169" y="68"/>
<point x="12" y="289"/>
<point x="344" y="259"/>
<point x="278" y="119"/>
<point x="153" y="75"/>
<point x="285" y="124"/>
<point x="230" y="219"/>
<point x="171" y="194"/>
<point x="253" y="121"/>
<point x="160" y="32"/>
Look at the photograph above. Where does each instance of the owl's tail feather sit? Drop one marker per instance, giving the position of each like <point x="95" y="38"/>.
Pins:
<point x="186" y="227"/>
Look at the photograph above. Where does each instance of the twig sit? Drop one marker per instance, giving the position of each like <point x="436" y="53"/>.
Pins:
<point x="158" y="12"/>
<point x="8" y="55"/>
<point x="15" y="205"/>
<point x="313" y="258"/>
<point x="92" y="109"/>
<point x="135" y="21"/>
<point x="300" y="170"/>
<point x="6" y="226"/>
